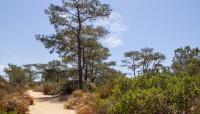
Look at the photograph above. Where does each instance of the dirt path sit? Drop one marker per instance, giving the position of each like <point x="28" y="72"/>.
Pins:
<point x="47" y="104"/>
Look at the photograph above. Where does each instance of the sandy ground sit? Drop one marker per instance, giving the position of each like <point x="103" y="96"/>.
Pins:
<point x="47" y="104"/>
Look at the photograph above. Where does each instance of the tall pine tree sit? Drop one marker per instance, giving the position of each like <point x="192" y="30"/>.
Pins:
<point x="73" y="22"/>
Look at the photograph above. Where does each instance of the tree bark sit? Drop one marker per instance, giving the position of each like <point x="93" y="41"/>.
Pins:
<point x="86" y="71"/>
<point x="79" y="63"/>
<point x="79" y="52"/>
<point x="92" y="72"/>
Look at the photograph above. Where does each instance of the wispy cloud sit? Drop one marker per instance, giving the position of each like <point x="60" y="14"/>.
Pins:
<point x="113" y="41"/>
<point x="116" y="26"/>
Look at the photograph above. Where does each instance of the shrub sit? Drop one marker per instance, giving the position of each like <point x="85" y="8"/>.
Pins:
<point x="74" y="100"/>
<point x="52" y="88"/>
<point x="106" y="90"/>
<point x="38" y="88"/>
<point x="29" y="99"/>
<point x="196" y="108"/>
<point x="159" y="93"/>
<point x="14" y="102"/>
<point x="81" y="101"/>
<point x="69" y="86"/>
<point x="47" y="88"/>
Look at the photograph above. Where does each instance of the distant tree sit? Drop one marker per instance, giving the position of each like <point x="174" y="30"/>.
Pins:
<point x="56" y="71"/>
<point x="55" y="68"/>
<point x="157" y="61"/>
<point x="132" y="59"/>
<point x="30" y="72"/>
<point x="150" y="60"/>
<point x="186" y="60"/>
<point x="72" y="22"/>
<point x="146" y="60"/>
<point x="40" y="70"/>
<point x="16" y="75"/>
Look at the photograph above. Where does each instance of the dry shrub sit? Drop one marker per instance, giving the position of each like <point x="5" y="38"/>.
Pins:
<point x="29" y="99"/>
<point x="2" y="94"/>
<point x="52" y="88"/>
<point x="78" y="93"/>
<point x="85" y="110"/>
<point x="106" y="90"/>
<point x="74" y="100"/>
<point x="47" y="88"/>
<point x="196" y="109"/>
<point x="38" y="88"/>
<point x="82" y="102"/>
<point x="15" y="102"/>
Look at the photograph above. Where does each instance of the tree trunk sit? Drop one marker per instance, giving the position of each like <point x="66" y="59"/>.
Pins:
<point x="92" y="72"/>
<point x="79" y="51"/>
<point x="79" y="63"/>
<point x="86" y="71"/>
<point x="57" y="79"/>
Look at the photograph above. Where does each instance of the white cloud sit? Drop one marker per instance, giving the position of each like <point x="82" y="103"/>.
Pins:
<point x="116" y="26"/>
<point x="113" y="41"/>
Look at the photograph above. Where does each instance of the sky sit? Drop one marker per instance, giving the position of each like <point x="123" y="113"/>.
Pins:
<point x="134" y="24"/>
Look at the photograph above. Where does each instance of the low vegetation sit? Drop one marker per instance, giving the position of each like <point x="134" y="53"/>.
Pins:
<point x="82" y="102"/>
<point x="13" y="100"/>
<point x="160" y="93"/>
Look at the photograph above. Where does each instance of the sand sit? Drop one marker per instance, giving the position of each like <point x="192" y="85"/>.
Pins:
<point x="47" y="104"/>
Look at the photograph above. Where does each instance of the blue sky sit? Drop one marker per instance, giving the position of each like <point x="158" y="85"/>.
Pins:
<point x="161" y="24"/>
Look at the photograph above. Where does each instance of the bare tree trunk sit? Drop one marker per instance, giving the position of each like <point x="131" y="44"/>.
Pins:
<point x="92" y="72"/>
<point x="79" y="52"/>
<point x="79" y="64"/>
<point x="86" y="71"/>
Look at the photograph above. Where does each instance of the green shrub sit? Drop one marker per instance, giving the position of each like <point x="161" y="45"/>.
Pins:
<point x="159" y="93"/>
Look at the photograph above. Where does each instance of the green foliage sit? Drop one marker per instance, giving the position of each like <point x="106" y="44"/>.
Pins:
<point x="73" y="23"/>
<point x="16" y="75"/>
<point x="186" y="60"/>
<point x="143" y="61"/>
<point x="161" y="93"/>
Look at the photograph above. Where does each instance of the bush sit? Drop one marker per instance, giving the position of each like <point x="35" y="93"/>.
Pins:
<point x="81" y="101"/>
<point x="196" y="108"/>
<point x="158" y="93"/>
<point x="14" y="102"/>
<point x="13" y="99"/>
<point x="74" y="100"/>
<point x="48" y="88"/>
<point x="69" y="86"/>
<point x="38" y="88"/>
<point x="52" y="88"/>
<point x="105" y="91"/>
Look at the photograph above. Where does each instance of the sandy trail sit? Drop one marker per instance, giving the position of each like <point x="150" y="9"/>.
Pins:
<point x="47" y="104"/>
